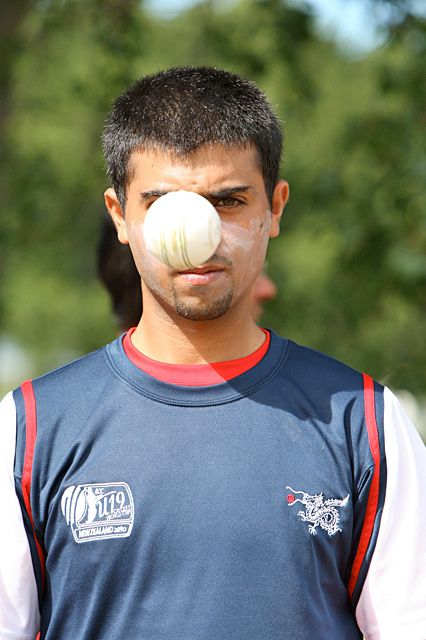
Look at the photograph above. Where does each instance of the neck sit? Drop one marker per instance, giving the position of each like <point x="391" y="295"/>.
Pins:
<point x="164" y="336"/>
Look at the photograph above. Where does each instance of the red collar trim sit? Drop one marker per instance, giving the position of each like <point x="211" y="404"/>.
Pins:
<point x="194" y="375"/>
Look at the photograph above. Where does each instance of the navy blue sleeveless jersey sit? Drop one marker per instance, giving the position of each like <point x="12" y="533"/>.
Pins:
<point x="244" y="510"/>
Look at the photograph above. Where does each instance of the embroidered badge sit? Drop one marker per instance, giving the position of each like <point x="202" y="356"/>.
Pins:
<point x="318" y="512"/>
<point x="98" y="511"/>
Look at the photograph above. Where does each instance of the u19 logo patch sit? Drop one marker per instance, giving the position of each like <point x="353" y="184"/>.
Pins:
<point x="98" y="511"/>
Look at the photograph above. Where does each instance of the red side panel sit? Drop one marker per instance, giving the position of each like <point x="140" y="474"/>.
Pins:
<point x="373" y="496"/>
<point x="31" y="434"/>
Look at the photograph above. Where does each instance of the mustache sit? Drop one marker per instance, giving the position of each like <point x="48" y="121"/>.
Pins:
<point x="221" y="261"/>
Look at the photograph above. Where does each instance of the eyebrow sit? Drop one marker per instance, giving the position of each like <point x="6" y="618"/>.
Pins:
<point x="228" y="191"/>
<point x="222" y="193"/>
<point x="146" y="195"/>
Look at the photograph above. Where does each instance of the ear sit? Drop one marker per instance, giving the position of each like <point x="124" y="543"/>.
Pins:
<point x="279" y="200"/>
<point x="117" y="215"/>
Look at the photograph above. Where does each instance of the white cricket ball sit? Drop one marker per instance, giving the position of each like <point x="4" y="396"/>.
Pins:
<point x="182" y="229"/>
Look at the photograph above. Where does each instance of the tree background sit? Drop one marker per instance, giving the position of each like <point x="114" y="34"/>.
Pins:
<point x="350" y="263"/>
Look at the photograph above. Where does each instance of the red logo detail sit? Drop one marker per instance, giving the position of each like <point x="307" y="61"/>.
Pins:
<point x="290" y="498"/>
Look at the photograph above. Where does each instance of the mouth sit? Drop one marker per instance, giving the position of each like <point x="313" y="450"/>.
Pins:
<point x="203" y="275"/>
<point x="205" y="268"/>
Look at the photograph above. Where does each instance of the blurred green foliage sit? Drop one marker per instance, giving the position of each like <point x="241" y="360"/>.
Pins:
<point x="350" y="263"/>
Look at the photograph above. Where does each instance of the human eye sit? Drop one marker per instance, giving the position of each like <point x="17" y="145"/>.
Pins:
<point x="229" y="202"/>
<point x="148" y="203"/>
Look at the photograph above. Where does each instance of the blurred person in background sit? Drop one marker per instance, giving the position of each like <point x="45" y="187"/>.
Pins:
<point x="117" y="272"/>
<point x="201" y="477"/>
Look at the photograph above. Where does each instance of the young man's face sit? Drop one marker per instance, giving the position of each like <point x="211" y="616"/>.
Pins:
<point x="230" y="179"/>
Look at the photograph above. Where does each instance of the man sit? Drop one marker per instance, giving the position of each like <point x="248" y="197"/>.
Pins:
<point x="117" y="271"/>
<point x="204" y="478"/>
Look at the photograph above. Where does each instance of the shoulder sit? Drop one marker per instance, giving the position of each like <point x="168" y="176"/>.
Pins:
<point x="316" y="367"/>
<point x="321" y="377"/>
<point x="325" y="386"/>
<point x="79" y="377"/>
<point x="83" y="371"/>
<point x="64" y="396"/>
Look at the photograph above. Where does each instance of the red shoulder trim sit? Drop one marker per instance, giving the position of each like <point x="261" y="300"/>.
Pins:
<point x="373" y="496"/>
<point x="30" y="439"/>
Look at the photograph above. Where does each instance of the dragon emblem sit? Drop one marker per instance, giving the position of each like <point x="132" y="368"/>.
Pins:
<point x="318" y="512"/>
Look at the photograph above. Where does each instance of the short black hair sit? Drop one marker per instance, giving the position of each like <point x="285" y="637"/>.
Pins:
<point x="117" y="271"/>
<point x="185" y="108"/>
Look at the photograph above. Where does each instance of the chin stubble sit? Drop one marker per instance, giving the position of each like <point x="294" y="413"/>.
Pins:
<point x="203" y="311"/>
